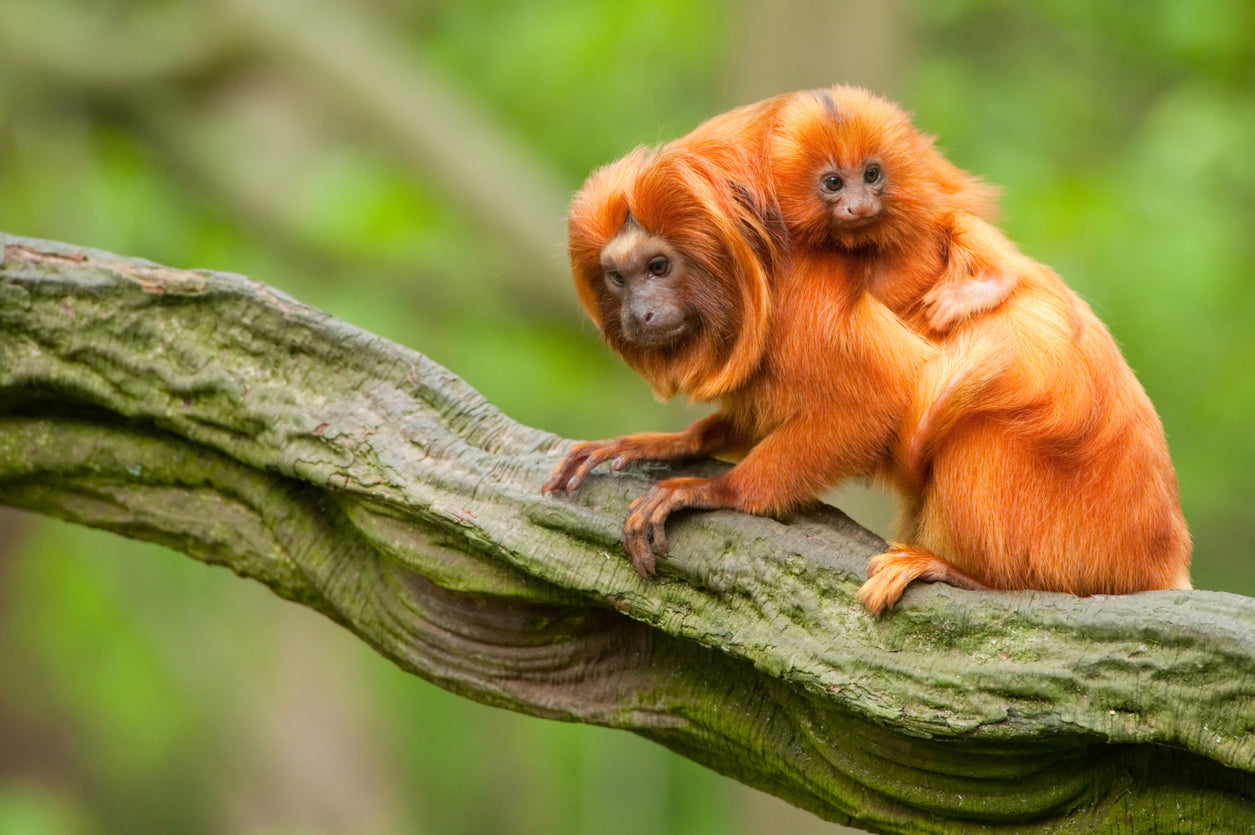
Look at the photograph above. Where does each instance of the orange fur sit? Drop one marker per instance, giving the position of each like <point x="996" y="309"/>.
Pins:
<point x="1040" y="461"/>
<point x="1031" y="457"/>
<point x="683" y="194"/>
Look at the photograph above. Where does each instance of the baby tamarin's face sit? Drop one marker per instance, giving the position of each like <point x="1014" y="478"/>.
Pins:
<point x="853" y="194"/>
<point x="835" y="171"/>
<point x="849" y="169"/>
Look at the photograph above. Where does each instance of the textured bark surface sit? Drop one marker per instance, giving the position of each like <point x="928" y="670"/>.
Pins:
<point x="216" y="415"/>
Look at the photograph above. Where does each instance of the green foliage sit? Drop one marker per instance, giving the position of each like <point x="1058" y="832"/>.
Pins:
<point x="1122" y="139"/>
<point x="646" y="71"/>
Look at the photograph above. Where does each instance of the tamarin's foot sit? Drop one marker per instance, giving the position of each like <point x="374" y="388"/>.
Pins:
<point x="890" y="573"/>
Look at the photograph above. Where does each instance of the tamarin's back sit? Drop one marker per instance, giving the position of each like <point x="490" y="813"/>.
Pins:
<point x="1050" y="470"/>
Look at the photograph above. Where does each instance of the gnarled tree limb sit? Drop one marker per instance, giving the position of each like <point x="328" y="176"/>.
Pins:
<point x="218" y="416"/>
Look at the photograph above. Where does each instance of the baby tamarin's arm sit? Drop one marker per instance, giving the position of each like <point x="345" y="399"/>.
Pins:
<point x="981" y="271"/>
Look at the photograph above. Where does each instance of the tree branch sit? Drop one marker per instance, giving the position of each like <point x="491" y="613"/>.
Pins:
<point x="215" y="415"/>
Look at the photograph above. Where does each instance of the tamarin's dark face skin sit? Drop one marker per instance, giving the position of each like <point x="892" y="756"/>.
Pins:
<point x="853" y="194"/>
<point x="644" y="279"/>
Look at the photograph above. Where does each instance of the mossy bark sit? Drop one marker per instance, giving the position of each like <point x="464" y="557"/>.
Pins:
<point x="218" y="416"/>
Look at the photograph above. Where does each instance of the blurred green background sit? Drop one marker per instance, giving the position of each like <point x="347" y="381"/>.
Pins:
<point x="404" y="166"/>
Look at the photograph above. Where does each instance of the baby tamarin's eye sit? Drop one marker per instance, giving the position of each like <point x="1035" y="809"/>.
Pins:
<point x="872" y="174"/>
<point x="660" y="266"/>
<point x="832" y="183"/>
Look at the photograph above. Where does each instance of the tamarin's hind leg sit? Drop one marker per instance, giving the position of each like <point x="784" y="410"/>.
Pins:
<point x="890" y="573"/>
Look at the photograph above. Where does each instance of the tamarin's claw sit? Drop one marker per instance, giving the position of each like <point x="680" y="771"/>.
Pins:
<point x="581" y="460"/>
<point x="645" y="530"/>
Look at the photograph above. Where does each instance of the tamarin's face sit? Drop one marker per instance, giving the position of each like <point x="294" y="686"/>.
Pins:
<point x="670" y="258"/>
<point x="644" y="289"/>
<point x="849" y="168"/>
<point x="853" y="194"/>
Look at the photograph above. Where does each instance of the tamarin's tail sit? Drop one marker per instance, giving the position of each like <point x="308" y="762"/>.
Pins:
<point x="956" y="385"/>
<point x="1021" y="362"/>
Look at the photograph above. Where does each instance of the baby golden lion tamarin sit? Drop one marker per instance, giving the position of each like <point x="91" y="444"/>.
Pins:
<point x="1024" y="452"/>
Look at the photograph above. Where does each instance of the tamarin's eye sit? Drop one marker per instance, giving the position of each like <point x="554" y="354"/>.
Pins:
<point x="614" y="277"/>
<point x="832" y="183"/>
<point x="659" y="266"/>
<point x="872" y="174"/>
